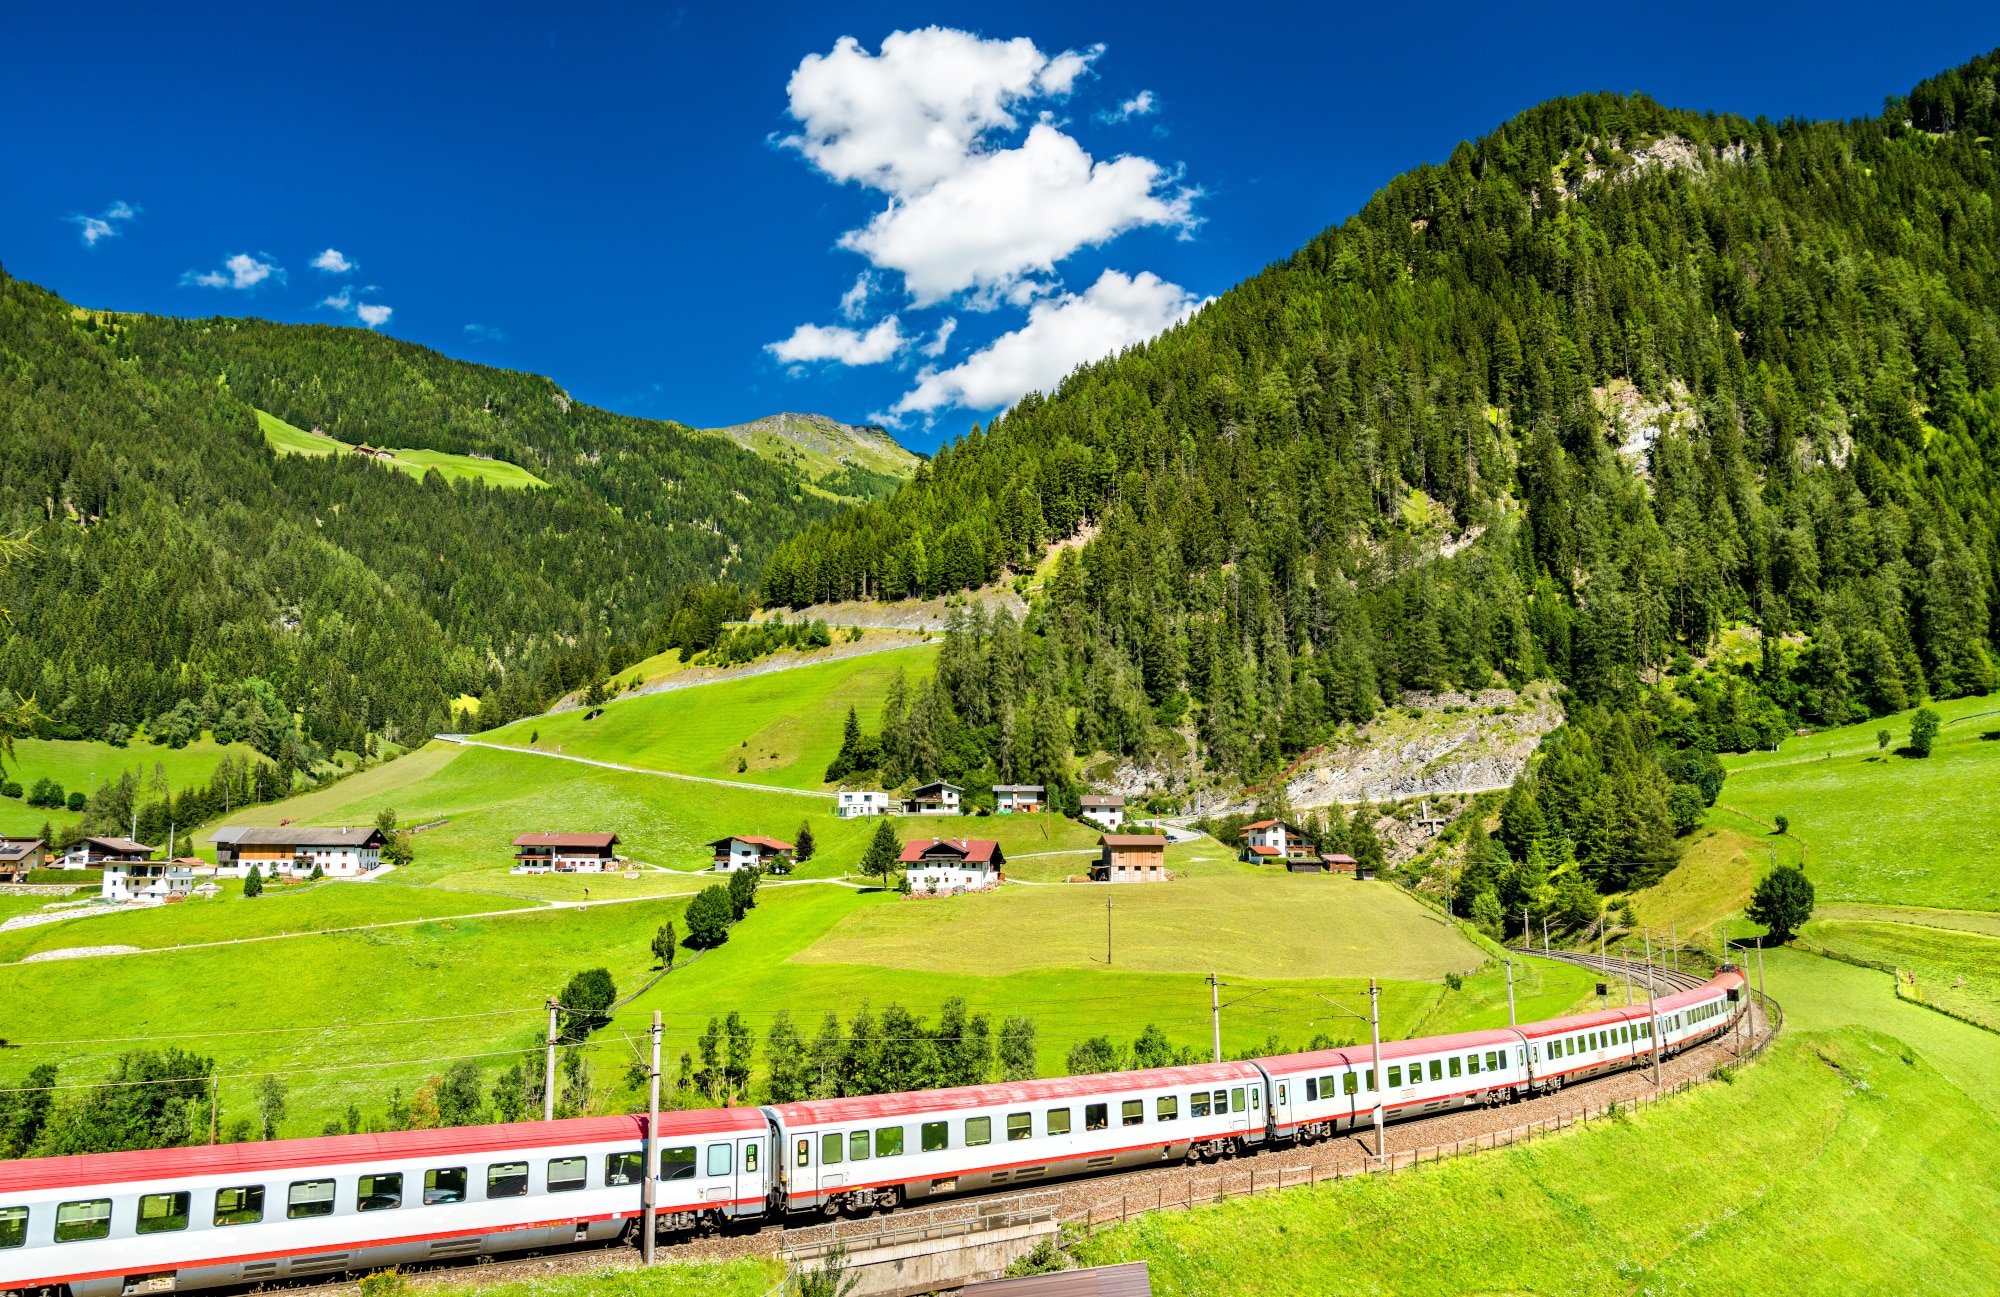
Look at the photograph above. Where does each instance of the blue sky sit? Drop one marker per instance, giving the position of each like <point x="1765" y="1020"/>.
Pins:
<point x="709" y="213"/>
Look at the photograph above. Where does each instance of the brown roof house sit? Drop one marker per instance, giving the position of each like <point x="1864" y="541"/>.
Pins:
<point x="565" y="853"/>
<point x="749" y="852"/>
<point x="1131" y="858"/>
<point x="19" y="855"/>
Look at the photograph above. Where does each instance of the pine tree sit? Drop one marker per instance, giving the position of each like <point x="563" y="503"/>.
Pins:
<point x="804" y="843"/>
<point x="884" y="851"/>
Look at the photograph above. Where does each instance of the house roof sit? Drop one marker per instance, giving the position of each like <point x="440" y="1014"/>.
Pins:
<point x="121" y="846"/>
<point x="1274" y="824"/>
<point x="1094" y="799"/>
<point x="1133" y="840"/>
<point x="973" y="850"/>
<point x="298" y="835"/>
<point x="600" y="841"/>
<point x="773" y="843"/>
<point x="1019" y="788"/>
<point x="1266" y="851"/>
<point x="937" y="787"/>
<point x="1339" y="860"/>
<point x="407" y="1145"/>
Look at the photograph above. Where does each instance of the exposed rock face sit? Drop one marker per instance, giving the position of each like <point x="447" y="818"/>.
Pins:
<point x="1640" y="421"/>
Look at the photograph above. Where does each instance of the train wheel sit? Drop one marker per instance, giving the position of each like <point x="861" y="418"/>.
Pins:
<point x="888" y="1200"/>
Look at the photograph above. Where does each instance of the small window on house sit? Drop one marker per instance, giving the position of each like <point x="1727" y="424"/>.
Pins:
<point x="619" y="1168"/>
<point x="889" y="1141"/>
<point x="678" y="1163"/>
<point x="240" y="1206"/>
<point x="13" y="1226"/>
<point x="1198" y="1104"/>
<point x="1167" y="1107"/>
<point x="831" y="1149"/>
<point x="1020" y="1125"/>
<point x="568" y="1173"/>
<point x="978" y="1130"/>
<point x="77" y="1222"/>
<point x="1096" y="1116"/>
<point x="1132" y="1112"/>
<point x="385" y="1192"/>
<point x="1058" y="1121"/>
<point x="307" y="1198"/>
<point x="507" y="1180"/>
<point x="162" y="1213"/>
<point x="721" y="1159"/>
<point x="937" y="1136"/>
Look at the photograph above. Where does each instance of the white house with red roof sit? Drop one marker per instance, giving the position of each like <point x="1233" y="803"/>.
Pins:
<point x="565" y="853"/>
<point x="1273" y="842"/>
<point x="941" y="866"/>
<point x="750" y="852"/>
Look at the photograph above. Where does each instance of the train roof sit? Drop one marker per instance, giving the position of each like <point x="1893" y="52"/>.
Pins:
<point x="873" y="1106"/>
<point x="1360" y="1055"/>
<point x="1634" y="1013"/>
<point x="336" y="1150"/>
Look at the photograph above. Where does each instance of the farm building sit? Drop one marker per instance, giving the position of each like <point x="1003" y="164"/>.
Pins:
<point x="941" y="865"/>
<point x="1027" y="799"/>
<point x="156" y="881"/>
<point x="768" y="854"/>
<point x="1106" y="811"/>
<point x="1274" y="842"/>
<point x="1339" y="864"/>
<point x="99" y="851"/>
<point x="19" y="855"/>
<point x="1131" y="858"/>
<point x="565" y="853"/>
<point x="855" y="802"/>
<point x="293" y="849"/>
<point x="933" y="799"/>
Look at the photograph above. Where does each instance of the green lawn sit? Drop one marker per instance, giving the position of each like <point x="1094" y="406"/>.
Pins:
<point x="1882" y="828"/>
<point x="1954" y="969"/>
<point x="784" y="726"/>
<point x="79" y="765"/>
<point x="1843" y="1163"/>
<point x="288" y="440"/>
<point x="743" y="1277"/>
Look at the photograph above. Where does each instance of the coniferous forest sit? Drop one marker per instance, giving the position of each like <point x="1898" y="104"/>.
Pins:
<point x="1605" y="383"/>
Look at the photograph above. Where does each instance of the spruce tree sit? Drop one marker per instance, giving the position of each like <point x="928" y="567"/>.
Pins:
<point x="884" y="850"/>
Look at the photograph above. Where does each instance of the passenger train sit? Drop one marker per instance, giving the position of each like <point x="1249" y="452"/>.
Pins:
<point x="121" y="1224"/>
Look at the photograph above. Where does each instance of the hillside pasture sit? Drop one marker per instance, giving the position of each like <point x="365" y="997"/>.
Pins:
<point x="289" y="440"/>
<point x="1955" y="970"/>
<point x="1882" y="827"/>
<point x="80" y="764"/>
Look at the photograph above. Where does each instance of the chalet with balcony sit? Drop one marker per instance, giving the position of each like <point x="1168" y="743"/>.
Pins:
<point x="941" y="866"/>
<point x="1131" y="858"/>
<point x="19" y="855"/>
<point x="565" y="853"/>
<point x="767" y="854"/>
<point x="293" y="850"/>
<point x="1024" y="799"/>
<point x="98" y="852"/>
<point x="934" y="799"/>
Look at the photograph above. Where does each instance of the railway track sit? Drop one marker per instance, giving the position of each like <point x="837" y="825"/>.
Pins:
<point x="1147" y="1187"/>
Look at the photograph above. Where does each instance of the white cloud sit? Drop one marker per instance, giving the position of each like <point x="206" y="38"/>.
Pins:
<point x="914" y="122"/>
<point x="373" y="314"/>
<point x="332" y="262"/>
<point x="340" y="301"/>
<point x="105" y="224"/>
<point x="243" y="272"/>
<point x="935" y="347"/>
<point x="1061" y="333"/>
<point x="485" y="333"/>
<point x="1138" y="105"/>
<point x="856" y="298"/>
<point x="814" y="342"/>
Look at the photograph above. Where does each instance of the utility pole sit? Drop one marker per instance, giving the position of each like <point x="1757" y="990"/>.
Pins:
<point x="1375" y="1043"/>
<point x="1107" y="929"/>
<point x="1653" y="1009"/>
<point x="1674" y="942"/>
<point x="1510" y="995"/>
<point x="1545" y="934"/>
<point x="652" y="1167"/>
<point x="549" y="1075"/>
<point x="1625" y="954"/>
<point x="1215" y="1011"/>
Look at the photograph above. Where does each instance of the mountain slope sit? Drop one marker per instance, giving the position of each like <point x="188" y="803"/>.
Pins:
<point x="853" y="461"/>
<point x="175" y="556"/>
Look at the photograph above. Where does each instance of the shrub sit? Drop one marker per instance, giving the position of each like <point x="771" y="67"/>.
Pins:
<point x="586" y="1003"/>
<point x="10" y="789"/>
<point x="75" y="801"/>
<point x="253" y="883"/>
<point x="1923" y="731"/>
<point x="709" y="915"/>
<point x="743" y="892"/>
<point x="46" y="792"/>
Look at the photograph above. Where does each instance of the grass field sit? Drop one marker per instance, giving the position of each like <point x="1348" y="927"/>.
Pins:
<point x="1953" y="969"/>
<point x="79" y="765"/>
<point x="1883" y="828"/>
<point x="1843" y="1163"/>
<point x="784" y="726"/>
<point x="1713" y="881"/>
<point x="288" y="440"/>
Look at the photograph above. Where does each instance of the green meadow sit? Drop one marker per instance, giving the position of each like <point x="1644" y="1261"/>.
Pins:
<point x="1954" y="969"/>
<point x="289" y="440"/>
<point x="80" y="765"/>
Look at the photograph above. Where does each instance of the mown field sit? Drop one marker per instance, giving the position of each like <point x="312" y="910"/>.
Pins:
<point x="80" y="765"/>
<point x="1881" y="827"/>
<point x="289" y="440"/>
<point x="1952" y="968"/>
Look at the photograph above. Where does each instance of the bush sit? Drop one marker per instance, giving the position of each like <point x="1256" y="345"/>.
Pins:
<point x="586" y="1003"/>
<point x="46" y="792"/>
<point x="10" y="789"/>
<point x="75" y="801"/>
<point x="1923" y="731"/>
<point x="709" y="915"/>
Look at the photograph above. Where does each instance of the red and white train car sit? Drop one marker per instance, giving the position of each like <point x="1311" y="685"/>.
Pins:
<point x="880" y="1150"/>
<point x="1331" y="1090"/>
<point x="109" y="1224"/>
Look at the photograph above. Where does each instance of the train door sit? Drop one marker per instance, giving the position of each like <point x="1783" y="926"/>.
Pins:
<point x="752" y="1176"/>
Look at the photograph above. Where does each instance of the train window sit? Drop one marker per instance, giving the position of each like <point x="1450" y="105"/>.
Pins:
<point x="1326" y="1086"/>
<point x="1437" y="1070"/>
<point x="678" y="1163"/>
<point x="750" y="1156"/>
<point x="857" y="1146"/>
<point x="1132" y="1112"/>
<point x="937" y="1136"/>
<point x="805" y="1152"/>
<point x="162" y="1213"/>
<point x="309" y="1198"/>
<point x="447" y="1183"/>
<point x="830" y="1149"/>
<point x="1198" y="1104"/>
<point x="568" y="1173"/>
<point x="1236" y="1099"/>
<point x="1312" y="1089"/>
<point x="13" y="1226"/>
<point x="1348" y="1083"/>
<point x="1058" y="1123"/>
<point x="1281" y="1095"/>
<point x="1256" y="1098"/>
<point x="619" y="1168"/>
<point x="721" y="1159"/>
<point x="1395" y="1076"/>
<point x="239" y="1206"/>
<point x="1020" y="1125"/>
<point x="1471" y="1065"/>
<point x="1167" y="1107"/>
<point x="78" y="1221"/>
<point x="385" y="1192"/>
<point x="1096" y="1116"/>
<point x="978" y="1130"/>
<point x="889" y="1141"/>
<point x="1453" y="1061"/>
<point x="1493" y="1063"/>
<point x="507" y="1180"/>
